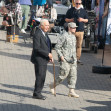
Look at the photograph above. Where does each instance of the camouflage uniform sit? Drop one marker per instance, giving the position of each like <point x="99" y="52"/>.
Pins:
<point x="66" y="47"/>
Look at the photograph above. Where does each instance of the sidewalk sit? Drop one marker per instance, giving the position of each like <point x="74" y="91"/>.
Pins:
<point x="17" y="82"/>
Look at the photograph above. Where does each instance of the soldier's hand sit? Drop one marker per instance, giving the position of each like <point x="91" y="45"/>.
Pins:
<point x="62" y="58"/>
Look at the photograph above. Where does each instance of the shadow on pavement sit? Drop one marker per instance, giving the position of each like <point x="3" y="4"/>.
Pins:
<point x="22" y="44"/>
<point x="17" y="87"/>
<point x="15" y="93"/>
<point x="102" y="106"/>
<point x="23" y="88"/>
<point x="16" y="106"/>
<point x="19" y="56"/>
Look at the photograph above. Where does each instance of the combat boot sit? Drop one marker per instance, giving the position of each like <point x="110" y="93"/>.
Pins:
<point x="72" y="93"/>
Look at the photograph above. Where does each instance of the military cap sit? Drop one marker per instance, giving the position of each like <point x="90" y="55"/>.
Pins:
<point x="72" y="25"/>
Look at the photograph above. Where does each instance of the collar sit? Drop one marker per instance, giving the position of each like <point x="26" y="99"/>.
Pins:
<point x="42" y="32"/>
<point x="77" y="8"/>
<point x="70" y="33"/>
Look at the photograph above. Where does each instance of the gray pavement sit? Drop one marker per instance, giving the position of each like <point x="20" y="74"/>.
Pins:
<point x="17" y="82"/>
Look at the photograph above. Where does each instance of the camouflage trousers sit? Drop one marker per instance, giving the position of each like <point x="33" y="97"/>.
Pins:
<point x="69" y="71"/>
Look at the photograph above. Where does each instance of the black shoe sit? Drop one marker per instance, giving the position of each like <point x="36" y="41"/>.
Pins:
<point x="80" y="62"/>
<point x="39" y="97"/>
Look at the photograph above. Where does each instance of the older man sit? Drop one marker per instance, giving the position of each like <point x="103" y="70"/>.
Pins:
<point x="79" y="16"/>
<point x="66" y="50"/>
<point x="41" y="55"/>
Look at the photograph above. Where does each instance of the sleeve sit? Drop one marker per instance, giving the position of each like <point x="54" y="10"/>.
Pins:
<point x="37" y="45"/>
<point x="59" y="45"/>
<point x="68" y="14"/>
<point x="86" y="15"/>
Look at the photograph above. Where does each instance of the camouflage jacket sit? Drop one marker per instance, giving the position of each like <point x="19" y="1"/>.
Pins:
<point x="66" y="46"/>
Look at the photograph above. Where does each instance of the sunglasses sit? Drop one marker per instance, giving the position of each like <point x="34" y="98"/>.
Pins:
<point x="78" y="3"/>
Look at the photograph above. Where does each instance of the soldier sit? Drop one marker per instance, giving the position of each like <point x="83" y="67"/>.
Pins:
<point x="66" y="50"/>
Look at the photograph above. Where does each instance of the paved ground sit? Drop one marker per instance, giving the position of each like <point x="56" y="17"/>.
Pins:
<point x="17" y="82"/>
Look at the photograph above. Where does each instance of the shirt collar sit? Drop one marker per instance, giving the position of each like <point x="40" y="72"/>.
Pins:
<point x="77" y="8"/>
<point x="70" y="33"/>
<point x="42" y="32"/>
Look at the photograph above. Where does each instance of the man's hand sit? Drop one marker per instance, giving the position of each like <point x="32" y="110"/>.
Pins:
<point x="72" y="20"/>
<point x="62" y="58"/>
<point x="69" y="20"/>
<point x="50" y="56"/>
<point x="81" y="19"/>
<point x="51" y="60"/>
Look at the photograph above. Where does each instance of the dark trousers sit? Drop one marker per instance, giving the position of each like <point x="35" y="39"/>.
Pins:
<point x="40" y="74"/>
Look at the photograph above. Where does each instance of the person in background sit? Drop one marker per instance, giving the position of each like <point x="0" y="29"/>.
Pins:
<point x="41" y="55"/>
<point x="93" y="2"/>
<point x="73" y="4"/>
<point x="66" y="50"/>
<point x="10" y="8"/>
<point x="104" y="23"/>
<point x="40" y="11"/>
<point x="53" y="13"/>
<point x="37" y="3"/>
<point x="25" y="5"/>
<point x="51" y="10"/>
<point x="96" y="10"/>
<point x="79" y="16"/>
<point x="52" y="17"/>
